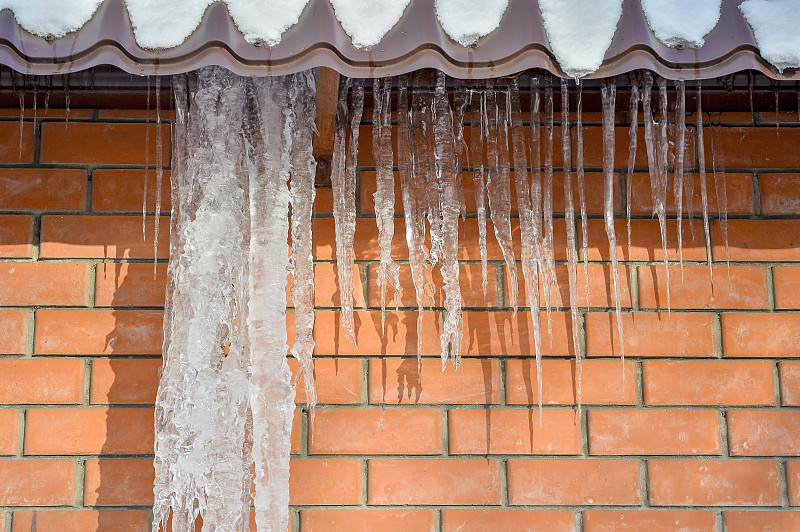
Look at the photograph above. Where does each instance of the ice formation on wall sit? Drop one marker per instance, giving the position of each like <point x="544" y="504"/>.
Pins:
<point x="774" y="24"/>
<point x="682" y="22"/>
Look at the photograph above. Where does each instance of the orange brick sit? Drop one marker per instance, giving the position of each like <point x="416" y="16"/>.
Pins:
<point x="757" y="147"/>
<point x="502" y="334"/>
<point x="737" y="287"/>
<point x="645" y="241"/>
<point x="793" y="481"/>
<point x="602" y="382"/>
<point x="43" y="381"/>
<point x="648" y="521"/>
<point x="708" y="382"/>
<point x="325" y="481"/>
<point x="323" y="202"/>
<point x="9" y="431"/>
<point x="601" y="287"/>
<point x="44" y="283"/>
<point x="80" y="520"/>
<point x="89" y="431"/>
<point x="102" y="143"/>
<point x="326" y="286"/>
<point x="37" y="482"/>
<point x="713" y="483"/>
<point x="757" y="240"/>
<point x="18" y="147"/>
<point x="593" y="150"/>
<point x="517" y="431"/>
<point x="101" y="237"/>
<point x="739" y="195"/>
<point x="760" y="335"/>
<point x="786" y="287"/>
<point x="760" y="521"/>
<point x="469" y="520"/>
<point x="789" y="375"/>
<point x="449" y="481"/>
<point x="377" y="431"/>
<point x="764" y="432"/>
<point x="400" y="337"/>
<point x="77" y="332"/>
<point x="13" y="331"/>
<point x="130" y="284"/>
<point x="573" y="481"/>
<point x="653" y="432"/>
<point x="469" y="281"/>
<point x="122" y="190"/>
<point x="367" y="520"/>
<point x="39" y="189"/>
<point x="779" y="193"/>
<point x="114" y="482"/>
<point x="16" y="236"/>
<point x="124" y="381"/>
<point x="337" y="381"/>
<point x="137" y="114"/>
<point x="398" y="381"/>
<point x="651" y="335"/>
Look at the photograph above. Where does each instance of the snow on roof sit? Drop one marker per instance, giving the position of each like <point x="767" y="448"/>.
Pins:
<point x="775" y="24"/>
<point x="682" y="22"/>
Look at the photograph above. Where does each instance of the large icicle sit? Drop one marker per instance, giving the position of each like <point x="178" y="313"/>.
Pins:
<point x="428" y="186"/>
<point x="159" y="173"/>
<point x="680" y="148"/>
<point x="547" y="204"/>
<point x="447" y="171"/>
<point x="582" y="192"/>
<point x="633" y="134"/>
<point x="536" y="199"/>
<point x="388" y="271"/>
<point x="701" y="161"/>
<point x="479" y="179"/>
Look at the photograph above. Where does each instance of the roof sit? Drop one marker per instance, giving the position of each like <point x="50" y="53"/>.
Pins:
<point x="418" y="40"/>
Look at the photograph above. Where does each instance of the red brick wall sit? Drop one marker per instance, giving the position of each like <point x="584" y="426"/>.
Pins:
<point x="702" y="433"/>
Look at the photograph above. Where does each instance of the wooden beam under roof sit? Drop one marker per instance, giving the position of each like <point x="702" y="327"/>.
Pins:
<point x="327" y="99"/>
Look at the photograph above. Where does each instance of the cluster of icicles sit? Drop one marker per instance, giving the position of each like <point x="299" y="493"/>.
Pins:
<point x="243" y="160"/>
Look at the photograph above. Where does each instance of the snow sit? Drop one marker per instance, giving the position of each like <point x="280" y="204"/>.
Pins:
<point x="682" y="22"/>
<point x="580" y="32"/>
<point x="367" y="21"/>
<point x="51" y="17"/>
<point x="466" y="21"/>
<point x="775" y="24"/>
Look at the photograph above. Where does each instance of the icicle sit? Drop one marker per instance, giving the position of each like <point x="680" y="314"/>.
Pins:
<point x="609" y="95"/>
<point x="777" y="112"/>
<point x="146" y="162"/>
<point x="461" y="99"/>
<point x="569" y="216"/>
<point x="447" y="171"/>
<point x="633" y="135"/>
<point x="479" y="181"/>
<point x="582" y="192"/>
<point x="547" y="204"/>
<point x="388" y="272"/>
<point x="159" y="173"/>
<point x="343" y="184"/>
<point x="680" y="147"/>
<point x="21" y="95"/>
<point x="528" y="228"/>
<point x="720" y="185"/>
<point x="536" y="199"/>
<point x="65" y="81"/>
<point x="304" y="168"/>
<point x="701" y="155"/>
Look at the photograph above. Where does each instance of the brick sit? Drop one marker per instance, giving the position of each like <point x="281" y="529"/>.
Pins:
<point x="44" y="283"/>
<point x="16" y="236"/>
<point x="89" y="431"/>
<point x="115" y="482"/>
<point x="713" y="483"/>
<point x="757" y="147"/>
<point x="469" y="281"/>
<point x="130" y="284"/>
<point x="737" y="287"/>
<point x="377" y="431"/>
<point x="757" y="240"/>
<point x="648" y="521"/>
<point x="78" y="332"/>
<point x="646" y="241"/>
<point x="41" y="112"/>
<point x="9" y="431"/>
<point x="653" y="432"/>
<point x="450" y="481"/>
<point x="789" y="376"/>
<point x="786" y="287"/>
<point x="337" y="381"/>
<point x="601" y="287"/>
<point x="137" y="114"/>
<point x="13" y="332"/>
<point x="739" y="188"/>
<point x="593" y="146"/>
<point x="573" y="481"/>
<point x="398" y="381"/>
<point x="651" y="334"/>
<point x="325" y="481"/>
<point x="503" y="334"/>
<point x="124" y="381"/>
<point x="367" y="520"/>
<point x="43" y="381"/>
<point x="479" y="520"/>
<point x="602" y="382"/>
<point x="760" y="521"/>
<point x="19" y="145"/>
<point x="793" y="481"/>
<point x="41" y="189"/>
<point x="80" y="521"/>
<point x="102" y="237"/>
<point x="517" y="431"/>
<point x="764" y="432"/>
<point x="122" y="190"/>
<point x="326" y="287"/>
<point x="400" y="337"/>
<point x="760" y="335"/>
<point x="100" y="143"/>
<point x="779" y="193"/>
<point x="37" y="482"/>
<point x="708" y="382"/>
